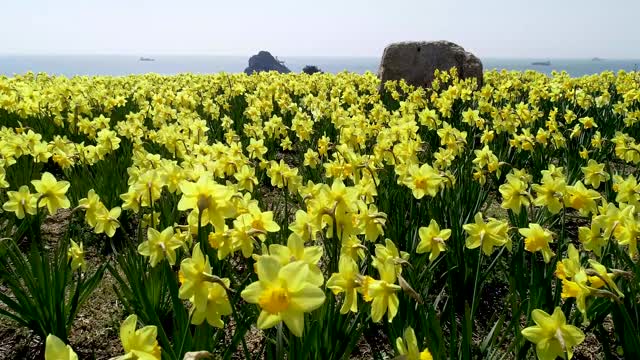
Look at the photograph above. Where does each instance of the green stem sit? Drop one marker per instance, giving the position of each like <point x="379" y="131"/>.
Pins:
<point x="201" y="241"/>
<point x="475" y="283"/>
<point x="247" y="355"/>
<point x="286" y="210"/>
<point x="561" y="246"/>
<point x="280" y="342"/>
<point x="151" y="213"/>
<point x="337" y="242"/>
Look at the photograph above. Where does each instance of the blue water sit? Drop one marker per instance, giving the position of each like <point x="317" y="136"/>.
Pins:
<point x="575" y="67"/>
<point x="171" y="64"/>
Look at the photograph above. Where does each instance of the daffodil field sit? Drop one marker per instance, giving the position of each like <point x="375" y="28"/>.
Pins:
<point x="457" y="222"/>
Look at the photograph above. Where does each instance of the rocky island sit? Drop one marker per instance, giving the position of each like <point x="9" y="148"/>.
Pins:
<point x="264" y="61"/>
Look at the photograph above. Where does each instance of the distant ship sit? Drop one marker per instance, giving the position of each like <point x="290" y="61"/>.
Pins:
<point x="541" y="63"/>
<point x="596" y="59"/>
<point x="146" y="59"/>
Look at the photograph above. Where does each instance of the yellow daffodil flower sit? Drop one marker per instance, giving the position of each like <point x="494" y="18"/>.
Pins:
<point x="514" y="194"/>
<point x="194" y="272"/>
<point x="138" y="344"/>
<point x="246" y="178"/>
<point x="55" y="349"/>
<point x="346" y="280"/>
<point x="552" y="335"/>
<point x="550" y="193"/>
<point x="21" y="202"/>
<point x="536" y="239"/>
<point x="216" y="304"/>
<point x="591" y="238"/>
<point x="160" y="245"/>
<point x="594" y="174"/>
<point x="283" y="293"/>
<point x="486" y="235"/>
<point x="76" y="255"/>
<point x="211" y="200"/>
<point x="382" y="293"/>
<point x="581" y="198"/>
<point x="51" y="193"/>
<point x="432" y="240"/>
<point x="408" y="349"/>
<point x="296" y="251"/>
<point x="107" y="220"/>
<point x="423" y="180"/>
<point x="91" y="205"/>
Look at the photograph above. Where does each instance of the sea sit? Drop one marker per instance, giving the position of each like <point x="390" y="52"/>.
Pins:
<point x="119" y="65"/>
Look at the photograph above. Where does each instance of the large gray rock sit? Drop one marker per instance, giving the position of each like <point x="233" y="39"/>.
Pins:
<point x="415" y="62"/>
<point x="264" y="61"/>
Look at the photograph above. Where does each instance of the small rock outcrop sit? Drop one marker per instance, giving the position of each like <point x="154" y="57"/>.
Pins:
<point x="311" y="69"/>
<point x="415" y="62"/>
<point x="264" y="61"/>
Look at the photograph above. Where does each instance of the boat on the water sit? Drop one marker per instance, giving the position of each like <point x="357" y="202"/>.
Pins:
<point x="146" y="59"/>
<point x="541" y="63"/>
<point x="596" y="59"/>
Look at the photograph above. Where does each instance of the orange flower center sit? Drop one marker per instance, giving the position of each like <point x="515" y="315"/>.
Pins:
<point x="274" y="300"/>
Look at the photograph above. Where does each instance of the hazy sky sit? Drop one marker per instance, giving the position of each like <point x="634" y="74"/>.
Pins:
<point x="489" y="28"/>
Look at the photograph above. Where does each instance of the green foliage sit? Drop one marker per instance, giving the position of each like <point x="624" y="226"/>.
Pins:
<point x="43" y="295"/>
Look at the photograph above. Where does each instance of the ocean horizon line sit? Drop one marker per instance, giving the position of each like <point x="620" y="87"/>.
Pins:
<point x="125" y="64"/>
